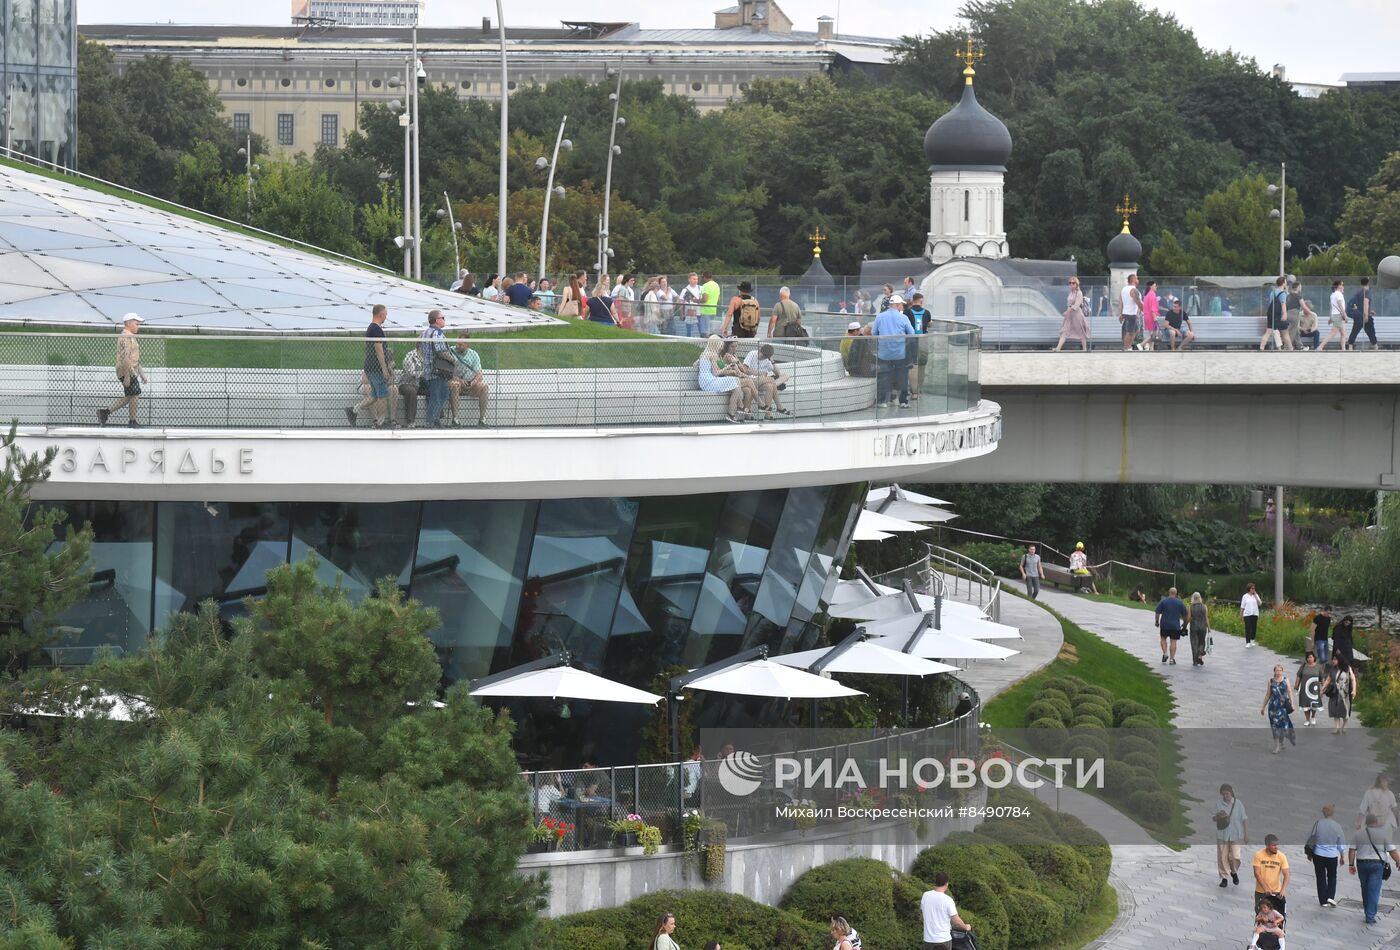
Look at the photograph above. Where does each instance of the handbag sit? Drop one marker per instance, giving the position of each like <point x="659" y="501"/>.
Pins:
<point x="1222" y="821"/>
<point x="1310" y="846"/>
<point x="1385" y="865"/>
<point x="132" y="386"/>
<point x="444" y="364"/>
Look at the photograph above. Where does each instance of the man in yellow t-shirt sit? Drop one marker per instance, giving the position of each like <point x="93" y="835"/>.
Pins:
<point x="1271" y="874"/>
<point x="709" y="304"/>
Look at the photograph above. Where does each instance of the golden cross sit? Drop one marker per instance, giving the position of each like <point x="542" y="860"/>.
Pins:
<point x="1127" y="209"/>
<point x="969" y="56"/>
<point x="817" y="237"/>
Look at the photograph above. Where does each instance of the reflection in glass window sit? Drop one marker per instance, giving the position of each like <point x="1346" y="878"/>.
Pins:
<point x="833" y="538"/>
<point x="116" y="612"/>
<point x="217" y="550"/>
<point x="787" y="563"/>
<point x="471" y="557"/>
<point x="357" y="543"/>
<point x="21" y="43"/>
<point x="665" y="569"/>
<point x="575" y="575"/>
<point x="735" y="570"/>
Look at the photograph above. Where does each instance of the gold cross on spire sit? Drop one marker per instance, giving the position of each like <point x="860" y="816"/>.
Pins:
<point x="969" y="56"/>
<point x="817" y="237"/>
<point x="1127" y="209"/>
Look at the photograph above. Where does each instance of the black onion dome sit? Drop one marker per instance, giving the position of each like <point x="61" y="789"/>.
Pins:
<point x="1124" y="248"/>
<point x="817" y="276"/>
<point x="968" y="136"/>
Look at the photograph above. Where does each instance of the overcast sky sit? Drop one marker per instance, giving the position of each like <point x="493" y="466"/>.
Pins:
<point x="1317" y="41"/>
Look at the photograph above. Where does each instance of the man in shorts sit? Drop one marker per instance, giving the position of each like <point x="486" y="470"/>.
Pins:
<point x="1171" y="620"/>
<point x="1130" y="312"/>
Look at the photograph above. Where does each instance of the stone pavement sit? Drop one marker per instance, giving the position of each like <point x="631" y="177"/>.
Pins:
<point x="1172" y="899"/>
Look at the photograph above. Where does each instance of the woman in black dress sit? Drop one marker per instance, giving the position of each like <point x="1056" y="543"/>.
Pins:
<point x="1341" y="639"/>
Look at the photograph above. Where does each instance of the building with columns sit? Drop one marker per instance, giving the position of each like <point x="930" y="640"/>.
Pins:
<point x="966" y="268"/>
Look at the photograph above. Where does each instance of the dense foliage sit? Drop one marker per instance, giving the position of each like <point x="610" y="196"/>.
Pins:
<point x="1101" y="98"/>
<point x="1203" y="546"/>
<point x="293" y="785"/>
<point x="1366" y="566"/>
<point x="1029" y="876"/>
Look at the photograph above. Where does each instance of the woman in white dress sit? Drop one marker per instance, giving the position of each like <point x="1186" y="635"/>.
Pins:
<point x="714" y="376"/>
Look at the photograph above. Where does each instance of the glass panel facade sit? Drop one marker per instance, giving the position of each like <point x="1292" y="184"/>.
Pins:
<point x="469" y="565"/>
<point x="38" y="77"/>
<point x="220" y="551"/>
<point x="628" y="586"/>
<point x="116" y="612"/>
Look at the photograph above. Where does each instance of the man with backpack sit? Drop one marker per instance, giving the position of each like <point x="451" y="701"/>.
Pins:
<point x="1359" y="310"/>
<point x="743" y="314"/>
<point x="786" y="314"/>
<point x="1276" y="318"/>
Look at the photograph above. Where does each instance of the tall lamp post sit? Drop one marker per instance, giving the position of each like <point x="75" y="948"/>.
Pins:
<point x="246" y="153"/>
<point x="604" y="251"/>
<point x="418" y="76"/>
<point x="549" y="189"/>
<point x="505" y="131"/>
<point x="452" y="223"/>
<point x="406" y="123"/>
<point x="1281" y="213"/>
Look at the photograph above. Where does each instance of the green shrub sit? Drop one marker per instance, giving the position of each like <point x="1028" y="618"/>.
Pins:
<point x="1123" y="708"/>
<point x="1086" y="841"/>
<point x="1033" y="912"/>
<point x="861" y="889"/>
<point x="1069" y="685"/>
<point x="1150" y="806"/>
<point x="709" y="915"/>
<point x="1099" y="691"/>
<point x="1127" y="745"/>
<point x="1139" y="722"/>
<point x="1141" y="781"/>
<point x="1060" y="865"/>
<point x="1142" y="760"/>
<point x="1116" y="778"/>
<point x="1051" y="693"/>
<point x="1099" y="711"/>
<point x="960" y="861"/>
<point x="981" y="906"/>
<point x="1044" y="710"/>
<point x="1063" y="706"/>
<point x="1087" y="722"/>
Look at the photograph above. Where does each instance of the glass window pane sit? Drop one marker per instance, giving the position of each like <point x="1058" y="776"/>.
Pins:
<point x="116" y="611"/>
<point x="21" y="44"/>
<point x="242" y="121"/>
<point x="330" y="129"/>
<point x="829" y="549"/>
<point x="285" y="122"/>
<point x="471" y="557"/>
<point x="222" y="554"/>
<point x="575" y="574"/>
<point x="357" y="543"/>
<point x="788" y="561"/>
<point x="737" y="561"/>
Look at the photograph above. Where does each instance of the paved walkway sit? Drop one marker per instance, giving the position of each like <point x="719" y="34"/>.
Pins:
<point x="1172" y="899"/>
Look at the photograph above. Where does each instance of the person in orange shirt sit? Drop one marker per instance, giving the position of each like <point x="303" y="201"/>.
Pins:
<point x="1271" y="874"/>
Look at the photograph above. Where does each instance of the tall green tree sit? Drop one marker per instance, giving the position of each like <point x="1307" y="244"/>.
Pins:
<point x="1232" y="230"/>
<point x="1366" y="566"/>
<point x="1370" y="222"/>
<point x="39" y="577"/>
<point x="291" y="785"/>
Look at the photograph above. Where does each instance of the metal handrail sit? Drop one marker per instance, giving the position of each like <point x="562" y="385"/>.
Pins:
<point x="962" y="568"/>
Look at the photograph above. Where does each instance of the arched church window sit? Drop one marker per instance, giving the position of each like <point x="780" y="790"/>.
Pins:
<point x="959" y="306"/>
<point x="967" y="205"/>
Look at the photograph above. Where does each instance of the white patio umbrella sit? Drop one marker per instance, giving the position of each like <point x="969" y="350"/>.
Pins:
<point x="909" y="511"/>
<point x="768" y="678"/>
<point x="876" y="495"/>
<point x="957" y="624"/>
<point x="858" y="592"/>
<point x="945" y="646"/>
<point x="863" y="533"/>
<point x="867" y="657"/>
<point x="565" y="682"/>
<point x="875" y="521"/>
<point x="889" y="606"/>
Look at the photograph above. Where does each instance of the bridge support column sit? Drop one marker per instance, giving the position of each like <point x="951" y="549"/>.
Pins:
<point x="1278" y="545"/>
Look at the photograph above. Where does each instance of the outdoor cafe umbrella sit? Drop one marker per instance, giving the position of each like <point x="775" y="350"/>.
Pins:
<point x="553" y="678"/>
<point x="867" y="657"/>
<point x="889" y="606"/>
<point x="764" y="677"/>
<point x="864" y="533"/>
<point x="961" y="625"/>
<point x="876" y="495"/>
<point x="875" y="521"/>
<point x="947" y="646"/>
<point x="909" y="511"/>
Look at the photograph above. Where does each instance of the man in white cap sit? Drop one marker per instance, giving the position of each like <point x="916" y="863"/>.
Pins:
<point x="891" y="327"/>
<point x="129" y="371"/>
<point x="855" y="351"/>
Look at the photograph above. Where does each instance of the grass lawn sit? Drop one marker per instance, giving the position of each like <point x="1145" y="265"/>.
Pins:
<point x="1091" y="659"/>
<point x="1089" y="926"/>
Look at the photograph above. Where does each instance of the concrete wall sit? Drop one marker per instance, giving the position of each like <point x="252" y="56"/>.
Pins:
<point x="762" y="870"/>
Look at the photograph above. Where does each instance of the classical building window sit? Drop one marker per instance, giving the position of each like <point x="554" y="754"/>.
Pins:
<point x="285" y="127"/>
<point x="330" y="129"/>
<point x="960" y="306"/>
<point x="242" y="121"/>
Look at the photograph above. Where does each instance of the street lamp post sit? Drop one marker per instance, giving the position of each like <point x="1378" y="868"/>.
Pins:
<point x="416" y="74"/>
<point x="604" y="251"/>
<point x="549" y="190"/>
<point x="246" y="153"/>
<point x="452" y="224"/>
<point x="505" y="131"/>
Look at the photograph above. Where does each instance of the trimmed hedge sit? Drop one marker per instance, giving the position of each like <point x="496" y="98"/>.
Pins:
<point x="863" y="891"/>
<point x="732" y="919"/>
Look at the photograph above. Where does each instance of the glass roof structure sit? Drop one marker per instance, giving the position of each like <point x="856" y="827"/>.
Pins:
<point x="73" y="256"/>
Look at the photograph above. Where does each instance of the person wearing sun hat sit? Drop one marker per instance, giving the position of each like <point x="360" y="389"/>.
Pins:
<point x="1079" y="566"/>
<point x="856" y="352"/>
<point x="129" y="371"/>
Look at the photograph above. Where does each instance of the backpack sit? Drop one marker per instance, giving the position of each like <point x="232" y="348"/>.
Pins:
<point x="1355" y="310"/>
<point x="1275" y="312"/>
<point x="749" y="313"/>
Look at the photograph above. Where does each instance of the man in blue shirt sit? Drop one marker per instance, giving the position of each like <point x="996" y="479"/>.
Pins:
<point x="891" y="327"/>
<point x="1171" y="620"/>
<point x="519" y="292"/>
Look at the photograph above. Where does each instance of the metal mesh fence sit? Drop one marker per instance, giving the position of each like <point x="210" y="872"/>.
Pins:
<point x="153" y="379"/>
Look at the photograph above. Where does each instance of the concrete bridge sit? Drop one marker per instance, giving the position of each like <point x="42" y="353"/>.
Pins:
<point x="1244" y="417"/>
